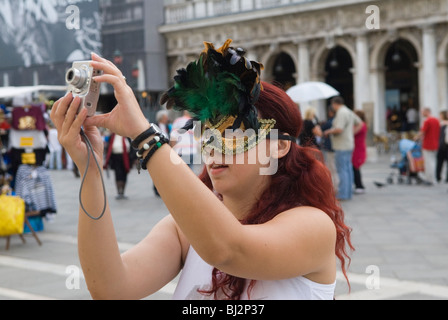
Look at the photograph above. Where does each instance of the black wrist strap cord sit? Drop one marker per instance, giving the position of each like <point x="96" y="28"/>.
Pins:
<point x="91" y="152"/>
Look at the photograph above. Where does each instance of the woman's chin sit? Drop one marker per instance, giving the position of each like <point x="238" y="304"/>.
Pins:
<point x="223" y="187"/>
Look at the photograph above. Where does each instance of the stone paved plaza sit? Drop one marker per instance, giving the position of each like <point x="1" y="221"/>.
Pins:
<point x="399" y="231"/>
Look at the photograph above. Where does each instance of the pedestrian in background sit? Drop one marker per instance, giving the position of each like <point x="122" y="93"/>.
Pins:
<point x="183" y="141"/>
<point x="163" y="121"/>
<point x="55" y="156"/>
<point x="118" y="158"/>
<point x="343" y="141"/>
<point x="429" y="134"/>
<point x="442" y="152"/>
<point x="327" y="148"/>
<point x="412" y="119"/>
<point x="5" y="126"/>
<point x="360" y="152"/>
<point x="311" y="129"/>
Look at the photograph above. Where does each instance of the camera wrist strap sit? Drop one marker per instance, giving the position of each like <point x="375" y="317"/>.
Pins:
<point x="91" y="152"/>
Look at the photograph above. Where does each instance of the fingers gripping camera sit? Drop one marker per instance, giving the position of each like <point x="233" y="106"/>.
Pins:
<point x="81" y="84"/>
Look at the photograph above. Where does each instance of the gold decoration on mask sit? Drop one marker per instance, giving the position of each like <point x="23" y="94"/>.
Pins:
<point x="222" y="138"/>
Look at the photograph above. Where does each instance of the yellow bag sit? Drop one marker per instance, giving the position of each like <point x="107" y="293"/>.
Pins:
<point x="29" y="158"/>
<point x="12" y="215"/>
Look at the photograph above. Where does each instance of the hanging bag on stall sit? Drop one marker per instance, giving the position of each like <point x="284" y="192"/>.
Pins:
<point x="12" y="215"/>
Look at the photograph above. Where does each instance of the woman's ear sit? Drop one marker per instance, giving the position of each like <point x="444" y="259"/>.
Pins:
<point x="283" y="147"/>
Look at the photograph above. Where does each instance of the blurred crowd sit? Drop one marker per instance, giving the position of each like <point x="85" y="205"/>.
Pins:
<point x="342" y="138"/>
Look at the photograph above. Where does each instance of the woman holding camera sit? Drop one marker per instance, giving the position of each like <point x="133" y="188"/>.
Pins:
<point x="236" y="234"/>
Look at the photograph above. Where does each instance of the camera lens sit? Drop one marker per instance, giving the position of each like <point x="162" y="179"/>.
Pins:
<point x="76" y="77"/>
<point x="70" y="75"/>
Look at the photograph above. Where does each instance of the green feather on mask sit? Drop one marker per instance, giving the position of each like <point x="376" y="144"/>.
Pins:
<point x="221" y="83"/>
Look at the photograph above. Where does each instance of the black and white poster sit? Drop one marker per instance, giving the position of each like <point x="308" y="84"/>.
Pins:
<point x="36" y="32"/>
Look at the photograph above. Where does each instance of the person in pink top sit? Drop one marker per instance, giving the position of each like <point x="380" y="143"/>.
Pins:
<point x="359" y="156"/>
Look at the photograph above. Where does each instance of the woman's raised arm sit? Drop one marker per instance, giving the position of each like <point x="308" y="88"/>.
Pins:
<point x="109" y="275"/>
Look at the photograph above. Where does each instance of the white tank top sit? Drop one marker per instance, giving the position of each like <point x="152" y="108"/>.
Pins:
<point x="197" y="275"/>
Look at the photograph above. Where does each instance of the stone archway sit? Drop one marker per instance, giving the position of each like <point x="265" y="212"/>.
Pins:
<point x="382" y="54"/>
<point x="280" y="69"/>
<point x="338" y="73"/>
<point x="322" y="56"/>
<point x="401" y="84"/>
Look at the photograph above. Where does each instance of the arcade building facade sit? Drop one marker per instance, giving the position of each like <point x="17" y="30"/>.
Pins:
<point x="382" y="56"/>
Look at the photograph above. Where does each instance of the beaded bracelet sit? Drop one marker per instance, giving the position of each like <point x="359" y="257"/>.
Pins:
<point x="158" y="142"/>
<point x="148" y="145"/>
<point x="144" y="163"/>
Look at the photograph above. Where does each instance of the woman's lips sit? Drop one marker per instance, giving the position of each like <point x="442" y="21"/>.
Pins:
<point x="216" y="169"/>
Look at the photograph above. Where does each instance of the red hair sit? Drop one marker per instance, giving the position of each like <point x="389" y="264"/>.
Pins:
<point x="302" y="179"/>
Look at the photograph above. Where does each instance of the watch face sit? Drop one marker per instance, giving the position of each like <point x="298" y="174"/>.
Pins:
<point x="157" y="129"/>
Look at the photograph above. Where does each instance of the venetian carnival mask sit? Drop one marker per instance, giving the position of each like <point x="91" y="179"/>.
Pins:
<point x="220" y="91"/>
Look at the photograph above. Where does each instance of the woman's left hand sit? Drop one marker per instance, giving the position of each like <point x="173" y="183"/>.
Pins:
<point x="127" y="118"/>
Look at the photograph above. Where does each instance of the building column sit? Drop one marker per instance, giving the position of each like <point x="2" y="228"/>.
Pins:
<point x="378" y="93"/>
<point x="35" y="78"/>
<point x="429" y="82"/>
<point x="141" y="80"/>
<point x="210" y="9"/>
<point x="362" y="78"/>
<point x="303" y="72"/>
<point x="6" y="79"/>
<point x="443" y="85"/>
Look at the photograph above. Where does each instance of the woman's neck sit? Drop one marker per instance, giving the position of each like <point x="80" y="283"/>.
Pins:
<point x="239" y="207"/>
<point x="241" y="203"/>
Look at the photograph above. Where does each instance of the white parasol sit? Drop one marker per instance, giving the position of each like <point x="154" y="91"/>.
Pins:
<point x="311" y="91"/>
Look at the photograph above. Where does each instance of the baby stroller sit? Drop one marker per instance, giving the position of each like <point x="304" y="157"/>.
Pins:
<point x="410" y="164"/>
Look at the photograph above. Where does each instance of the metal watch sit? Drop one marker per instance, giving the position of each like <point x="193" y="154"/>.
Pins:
<point x="152" y="131"/>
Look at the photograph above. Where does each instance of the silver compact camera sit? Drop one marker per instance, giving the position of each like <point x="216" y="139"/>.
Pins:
<point x="80" y="83"/>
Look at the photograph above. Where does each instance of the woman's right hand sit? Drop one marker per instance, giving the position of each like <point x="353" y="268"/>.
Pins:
<point x="69" y="124"/>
